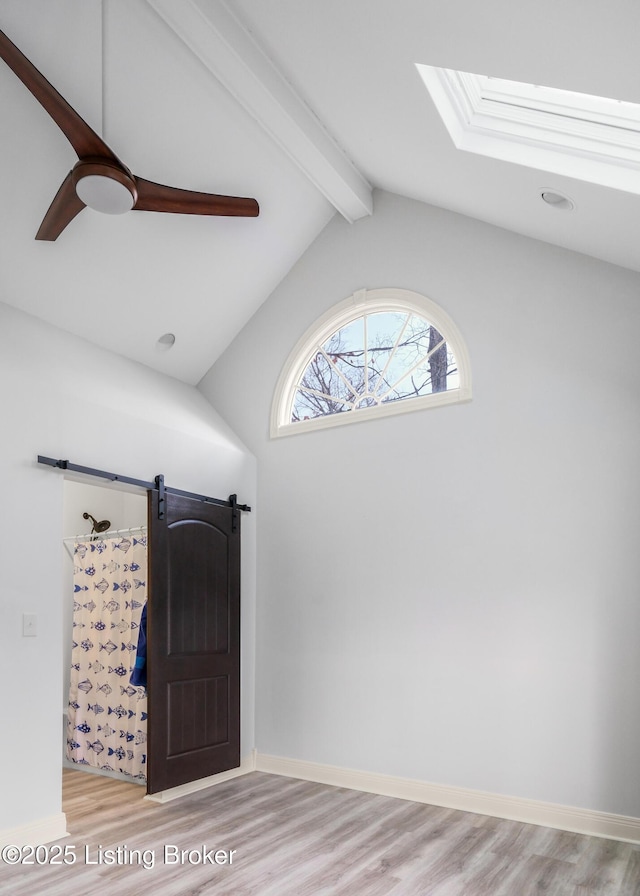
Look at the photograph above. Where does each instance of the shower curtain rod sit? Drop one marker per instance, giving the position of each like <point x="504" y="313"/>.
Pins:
<point x="157" y="485"/>
<point x="77" y="539"/>
<point x="112" y="533"/>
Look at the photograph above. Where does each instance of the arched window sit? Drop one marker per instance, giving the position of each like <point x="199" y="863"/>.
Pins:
<point x="379" y="352"/>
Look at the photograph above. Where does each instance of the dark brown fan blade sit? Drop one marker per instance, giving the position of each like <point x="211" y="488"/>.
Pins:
<point x="84" y="140"/>
<point x="65" y="206"/>
<point x="158" y="198"/>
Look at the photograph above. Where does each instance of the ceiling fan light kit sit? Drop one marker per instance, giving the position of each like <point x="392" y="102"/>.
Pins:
<point x="104" y="187"/>
<point x="99" y="179"/>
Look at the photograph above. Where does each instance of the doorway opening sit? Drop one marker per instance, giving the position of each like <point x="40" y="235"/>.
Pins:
<point x="101" y="737"/>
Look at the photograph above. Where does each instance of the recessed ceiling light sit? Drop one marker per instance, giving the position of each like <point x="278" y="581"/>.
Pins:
<point x="557" y="200"/>
<point x="165" y="342"/>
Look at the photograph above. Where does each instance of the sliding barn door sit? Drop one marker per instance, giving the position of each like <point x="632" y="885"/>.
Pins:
<point x="193" y="642"/>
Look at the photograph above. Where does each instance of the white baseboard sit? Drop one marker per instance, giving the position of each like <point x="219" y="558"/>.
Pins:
<point x="551" y="815"/>
<point x="248" y="764"/>
<point x="45" y="830"/>
<point x="564" y="818"/>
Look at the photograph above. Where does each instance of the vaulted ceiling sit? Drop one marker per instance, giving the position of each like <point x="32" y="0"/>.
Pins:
<point x="305" y="106"/>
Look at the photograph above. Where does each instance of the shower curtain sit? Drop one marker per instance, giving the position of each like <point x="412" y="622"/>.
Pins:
<point x="107" y="716"/>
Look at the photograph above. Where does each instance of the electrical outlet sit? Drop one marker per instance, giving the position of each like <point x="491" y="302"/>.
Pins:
<point x="29" y="625"/>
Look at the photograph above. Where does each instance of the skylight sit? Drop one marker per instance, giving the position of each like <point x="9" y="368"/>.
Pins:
<point x="586" y="137"/>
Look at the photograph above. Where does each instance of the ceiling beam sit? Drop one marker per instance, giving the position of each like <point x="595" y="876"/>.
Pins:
<point x="232" y="55"/>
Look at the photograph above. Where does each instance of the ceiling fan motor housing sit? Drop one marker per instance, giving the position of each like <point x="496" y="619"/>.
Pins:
<point x="104" y="186"/>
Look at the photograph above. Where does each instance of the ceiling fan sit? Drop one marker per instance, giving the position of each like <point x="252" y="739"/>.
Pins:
<point x="99" y="179"/>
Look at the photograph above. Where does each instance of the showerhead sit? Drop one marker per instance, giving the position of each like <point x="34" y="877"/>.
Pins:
<point x="101" y="526"/>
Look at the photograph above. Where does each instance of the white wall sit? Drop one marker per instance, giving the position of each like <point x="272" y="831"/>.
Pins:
<point x="452" y="595"/>
<point x="62" y="397"/>
<point x="123" y="509"/>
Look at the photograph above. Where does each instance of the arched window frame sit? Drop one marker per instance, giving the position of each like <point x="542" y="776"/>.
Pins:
<point x="345" y="312"/>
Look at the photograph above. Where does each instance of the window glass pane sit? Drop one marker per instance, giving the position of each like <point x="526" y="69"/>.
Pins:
<point x="413" y="348"/>
<point x="384" y="332"/>
<point x="413" y="385"/>
<point x="347" y="338"/>
<point x="306" y="406"/>
<point x="436" y="373"/>
<point x="322" y="389"/>
<point x="345" y="349"/>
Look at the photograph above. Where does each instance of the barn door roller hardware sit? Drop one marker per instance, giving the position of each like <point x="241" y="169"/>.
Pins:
<point x="160" y="486"/>
<point x="157" y="485"/>
<point x="233" y="500"/>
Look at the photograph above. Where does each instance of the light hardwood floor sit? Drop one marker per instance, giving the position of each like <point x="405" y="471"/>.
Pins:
<point x="295" y="838"/>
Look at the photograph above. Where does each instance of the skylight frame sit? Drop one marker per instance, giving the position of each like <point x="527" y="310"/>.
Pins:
<point x="585" y="137"/>
<point x="553" y="100"/>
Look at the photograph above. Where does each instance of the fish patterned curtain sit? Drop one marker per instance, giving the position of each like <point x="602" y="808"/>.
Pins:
<point x="107" y="716"/>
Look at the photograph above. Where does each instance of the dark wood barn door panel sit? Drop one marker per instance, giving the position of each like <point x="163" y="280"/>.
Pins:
<point x="193" y="642"/>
